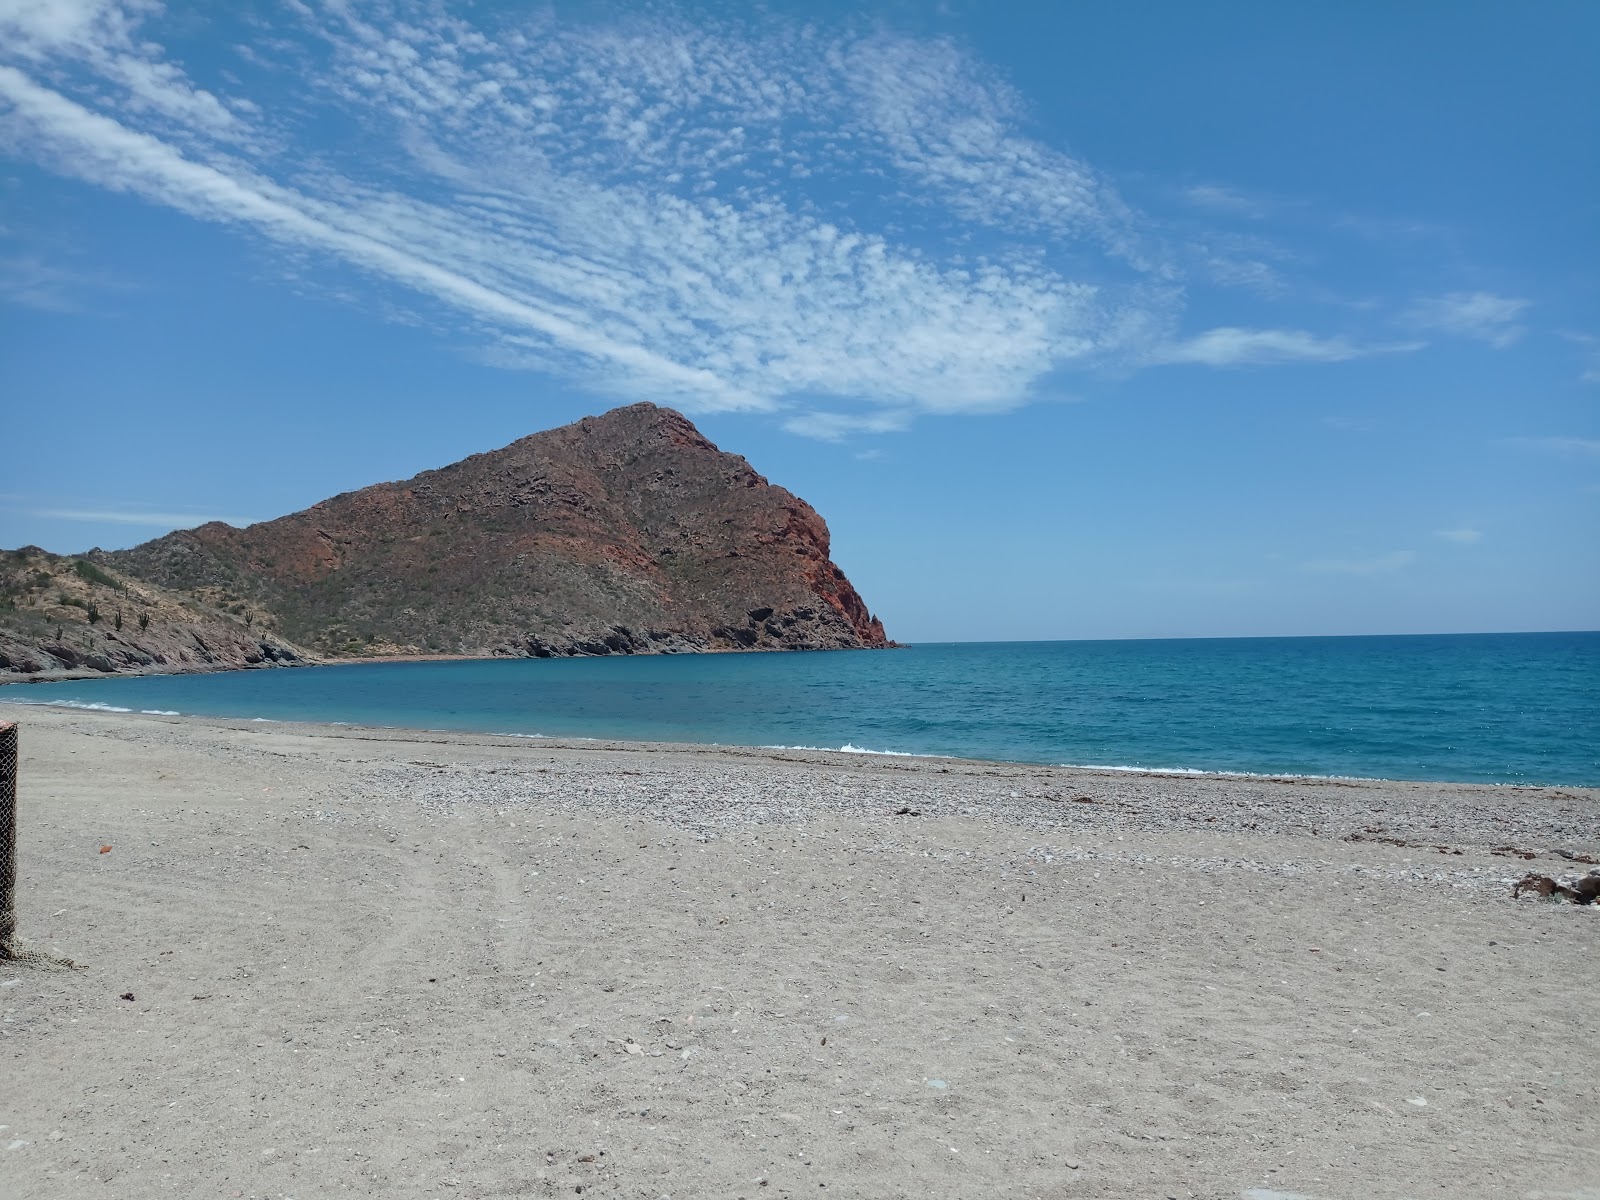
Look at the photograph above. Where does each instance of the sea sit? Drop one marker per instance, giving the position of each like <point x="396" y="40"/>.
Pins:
<point x="1493" y="708"/>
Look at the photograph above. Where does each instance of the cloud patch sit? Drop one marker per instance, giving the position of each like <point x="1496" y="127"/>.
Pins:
<point x="834" y="427"/>
<point x="124" y="517"/>
<point x="657" y="209"/>
<point x="1590" y="370"/>
<point x="839" y="223"/>
<point x="1229" y="346"/>
<point x="1482" y="316"/>
<point x="1219" y="199"/>
<point x="31" y="282"/>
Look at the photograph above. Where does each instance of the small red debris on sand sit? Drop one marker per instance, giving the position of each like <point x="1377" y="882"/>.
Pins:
<point x="105" y="849"/>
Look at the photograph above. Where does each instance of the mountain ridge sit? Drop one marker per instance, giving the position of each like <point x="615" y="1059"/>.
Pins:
<point x="624" y="533"/>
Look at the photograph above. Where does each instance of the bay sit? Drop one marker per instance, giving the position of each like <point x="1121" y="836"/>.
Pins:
<point x="1505" y="708"/>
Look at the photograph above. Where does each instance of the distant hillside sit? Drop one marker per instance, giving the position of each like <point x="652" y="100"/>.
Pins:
<point x="65" y="614"/>
<point x="619" y="534"/>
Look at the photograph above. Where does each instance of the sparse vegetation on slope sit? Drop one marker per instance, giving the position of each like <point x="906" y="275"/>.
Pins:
<point x="62" y="614"/>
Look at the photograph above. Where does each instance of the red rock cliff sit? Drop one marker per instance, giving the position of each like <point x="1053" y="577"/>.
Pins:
<point x="623" y="533"/>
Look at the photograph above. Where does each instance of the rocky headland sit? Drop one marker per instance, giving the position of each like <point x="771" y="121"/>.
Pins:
<point x="626" y="533"/>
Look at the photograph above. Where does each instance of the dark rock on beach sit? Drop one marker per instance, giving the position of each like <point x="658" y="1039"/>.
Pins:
<point x="1583" y="890"/>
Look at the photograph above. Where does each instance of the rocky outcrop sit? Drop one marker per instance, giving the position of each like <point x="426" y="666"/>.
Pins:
<point x="627" y="533"/>
<point x="1585" y="889"/>
<point x="65" y="616"/>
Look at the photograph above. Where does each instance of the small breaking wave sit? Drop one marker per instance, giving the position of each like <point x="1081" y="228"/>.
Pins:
<point x="94" y="705"/>
<point x="849" y="748"/>
<point x="1219" y="773"/>
<point x="1147" y="770"/>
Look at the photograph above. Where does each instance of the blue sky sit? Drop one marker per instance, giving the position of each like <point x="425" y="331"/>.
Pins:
<point x="1074" y="320"/>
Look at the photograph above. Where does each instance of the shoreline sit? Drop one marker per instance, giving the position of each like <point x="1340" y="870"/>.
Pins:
<point x="913" y="766"/>
<point x="1165" y="723"/>
<point x="74" y="674"/>
<point x="852" y="752"/>
<point x="570" y="741"/>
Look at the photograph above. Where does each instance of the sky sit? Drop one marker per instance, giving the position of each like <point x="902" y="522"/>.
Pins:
<point x="1074" y="321"/>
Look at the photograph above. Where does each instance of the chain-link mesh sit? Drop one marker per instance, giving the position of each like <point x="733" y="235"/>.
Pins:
<point x="12" y="948"/>
<point x="8" y="836"/>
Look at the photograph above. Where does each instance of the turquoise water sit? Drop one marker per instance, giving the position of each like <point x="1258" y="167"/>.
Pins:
<point x="1507" y="708"/>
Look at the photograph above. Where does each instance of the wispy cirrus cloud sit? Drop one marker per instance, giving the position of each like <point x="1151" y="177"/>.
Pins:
<point x="1240" y="260"/>
<point x="1229" y="346"/>
<point x="30" y="281"/>
<point x="1482" y="316"/>
<point x="1461" y="537"/>
<point x="1590" y="371"/>
<point x="104" y="36"/>
<point x="650" y="206"/>
<point x="834" y="427"/>
<point x="97" y="148"/>
<point x="164" y="520"/>
<point x="847" y="225"/>
<point x="1216" y="197"/>
<point x="1379" y="564"/>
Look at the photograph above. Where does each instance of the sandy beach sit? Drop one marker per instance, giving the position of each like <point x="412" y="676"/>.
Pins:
<point x="326" y="961"/>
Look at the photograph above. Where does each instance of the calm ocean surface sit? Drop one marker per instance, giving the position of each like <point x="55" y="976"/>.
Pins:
<point x="1504" y="708"/>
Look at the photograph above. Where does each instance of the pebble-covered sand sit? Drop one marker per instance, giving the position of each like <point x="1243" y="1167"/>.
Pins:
<point x="324" y="961"/>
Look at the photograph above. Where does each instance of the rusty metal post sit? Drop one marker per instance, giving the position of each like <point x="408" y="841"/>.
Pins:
<point x="8" y="838"/>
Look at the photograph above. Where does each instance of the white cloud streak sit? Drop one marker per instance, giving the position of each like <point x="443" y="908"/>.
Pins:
<point x="835" y="427"/>
<point x="1217" y="198"/>
<point x="1229" y="347"/>
<point x="99" y="149"/>
<point x="1461" y="537"/>
<point x="718" y="215"/>
<point x="104" y="35"/>
<point x="1590" y="371"/>
<point x="121" y="517"/>
<point x="1481" y="316"/>
<point x="28" y="280"/>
